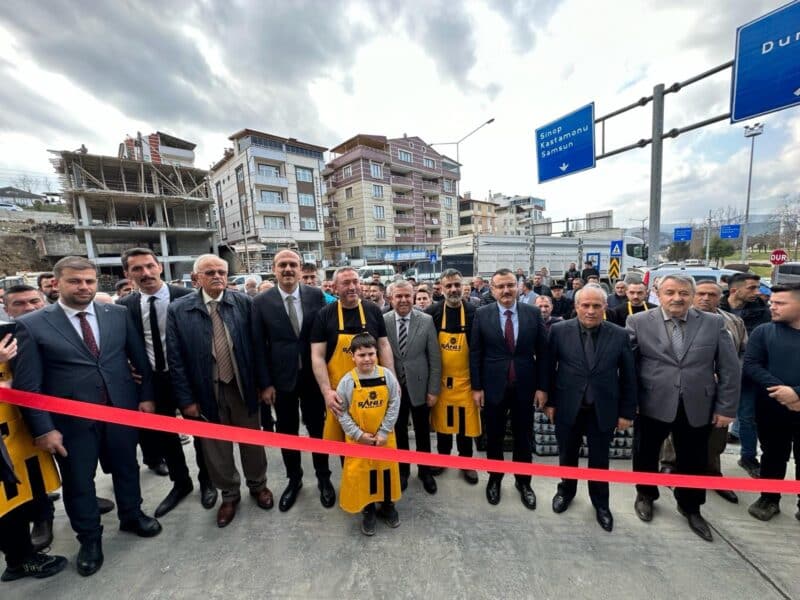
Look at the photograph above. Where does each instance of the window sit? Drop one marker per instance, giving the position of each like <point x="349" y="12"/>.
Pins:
<point x="269" y="170"/>
<point x="449" y="219"/>
<point x="449" y="233"/>
<point x="429" y="162"/>
<point x="347" y="171"/>
<point x="348" y="193"/>
<point x="304" y="174"/>
<point x="380" y="232"/>
<point x="308" y="224"/>
<point x="306" y="200"/>
<point x="351" y="233"/>
<point x="271" y="197"/>
<point x="274" y="223"/>
<point x="448" y="202"/>
<point x="376" y="170"/>
<point x="448" y="185"/>
<point x="378" y="212"/>
<point x="350" y="212"/>
<point x="377" y="191"/>
<point x="405" y="156"/>
<point x="239" y="174"/>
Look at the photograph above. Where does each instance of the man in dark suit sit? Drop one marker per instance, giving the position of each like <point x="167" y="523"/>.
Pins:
<point x="508" y="374"/>
<point x="282" y="320"/>
<point x="80" y="350"/>
<point x="592" y="391"/>
<point x="210" y="355"/>
<point x="148" y="307"/>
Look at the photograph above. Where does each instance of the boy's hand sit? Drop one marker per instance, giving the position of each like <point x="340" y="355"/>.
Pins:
<point x="367" y="439"/>
<point x="380" y="439"/>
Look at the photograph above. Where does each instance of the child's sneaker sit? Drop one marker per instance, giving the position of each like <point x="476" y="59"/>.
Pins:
<point x="370" y="521"/>
<point x="389" y="515"/>
<point x="38" y="566"/>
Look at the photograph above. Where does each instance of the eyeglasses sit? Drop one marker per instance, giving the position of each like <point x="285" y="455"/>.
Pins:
<point x="212" y="272"/>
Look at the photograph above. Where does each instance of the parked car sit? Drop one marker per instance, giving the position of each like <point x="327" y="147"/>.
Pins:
<point x="10" y="206"/>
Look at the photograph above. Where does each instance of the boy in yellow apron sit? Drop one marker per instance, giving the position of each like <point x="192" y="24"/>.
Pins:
<point x="370" y="404"/>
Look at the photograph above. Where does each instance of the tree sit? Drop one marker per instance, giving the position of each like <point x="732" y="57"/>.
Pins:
<point x="24" y="182"/>
<point x="720" y="248"/>
<point x="678" y="251"/>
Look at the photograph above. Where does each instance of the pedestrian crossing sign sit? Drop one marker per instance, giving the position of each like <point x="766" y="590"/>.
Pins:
<point x="616" y="248"/>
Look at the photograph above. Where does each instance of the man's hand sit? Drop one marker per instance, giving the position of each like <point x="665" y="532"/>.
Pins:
<point x="477" y="398"/>
<point x="148" y="406"/>
<point x="431" y="399"/>
<point x="333" y="403"/>
<point x="380" y="439"/>
<point x="192" y="411"/>
<point x="540" y="399"/>
<point x="51" y="442"/>
<point x="137" y="378"/>
<point x="721" y="421"/>
<point x="623" y="424"/>
<point x="783" y="394"/>
<point x="367" y="439"/>
<point x="550" y="411"/>
<point x="268" y="395"/>
<point x="8" y="348"/>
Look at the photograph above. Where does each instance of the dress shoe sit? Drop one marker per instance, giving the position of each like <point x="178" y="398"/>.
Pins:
<point x="226" y="512"/>
<point x="263" y="498"/>
<point x="90" y="558"/>
<point x="470" y="476"/>
<point x="42" y="534"/>
<point x="403" y="482"/>
<point x="105" y="505"/>
<point x="493" y="491"/>
<point x="143" y="526"/>
<point x="752" y="466"/>
<point x="388" y="514"/>
<point x="560" y="503"/>
<point x="728" y="495"/>
<point x="176" y="494"/>
<point x="38" y="566"/>
<point x="436" y="470"/>
<point x="698" y="524"/>
<point x="289" y="495"/>
<point x="644" y="508"/>
<point x="526" y="495"/>
<point x="369" y="521"/>
<point x="428" y="482"/>
<point x="764" y="509"/>
<point x="327" y="495"/>
<point x="208" y="495"/>
<point x="159" y="469"/>
<point x="605" y="518"/>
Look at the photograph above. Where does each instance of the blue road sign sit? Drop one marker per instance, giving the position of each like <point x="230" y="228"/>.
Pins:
<point x="616" y="248"/>
<point x="594" y="258"/>
<point x="729" y="232"/>
<point x="682" y="234"/>
<point x="566" y="145"/>
<point x="766" y="67"/>
<point x="433" y="259"/>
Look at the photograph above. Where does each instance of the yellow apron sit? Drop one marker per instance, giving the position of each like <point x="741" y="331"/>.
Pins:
<point x="339" y="365"/>
<point x="364" y="480"/>
<point x="34" y="468"/>
<point x="455" y="412"/>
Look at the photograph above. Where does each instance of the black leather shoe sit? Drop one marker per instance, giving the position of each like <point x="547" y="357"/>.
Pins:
<point x="176" y="494"/>
<point x="159" y="469"/>
<point x="560" y="503"/>
<point x="644" y="508"/>
<point x="728" y="495"/>
<point x="428" y="482"/>
<point x="470" y="476"/>
<point x="90" y="558"/>
<point x="143" y="526"/>
<point x="208" y="495"/>
<point x="403" y="482"/>
<point x="493" y="491"/>
<point x="42" y="534"/>
<point x="327" y="495"/>
<point x="605" y="518"/>
<point x="698" y="524"/>
<point x="105" y="505"/>
<point x="289" y="495"/>
<point x="526" y="495"/>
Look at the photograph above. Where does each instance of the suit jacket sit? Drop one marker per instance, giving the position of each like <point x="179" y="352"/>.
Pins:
<point x="489" y="356"/>
<point x="707" y="376"/>
<point x="133" y="303"/>
<point x="611" y="378"/>
<point x="54" y="360"/>
<point x="191" y="364"/>
<point x="420" y="367"/>
<point x="275" y="342"/>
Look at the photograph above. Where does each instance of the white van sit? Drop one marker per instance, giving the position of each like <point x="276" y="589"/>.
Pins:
<point x="386" y="273"/>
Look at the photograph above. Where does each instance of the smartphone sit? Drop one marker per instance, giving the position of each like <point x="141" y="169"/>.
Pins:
<point x="6" y="328"/>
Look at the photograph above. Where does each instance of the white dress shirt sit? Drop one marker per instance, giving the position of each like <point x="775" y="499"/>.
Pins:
<point x="161" y="303"/>
<point x="298" y="306"/>
<point x="91" y="317"/>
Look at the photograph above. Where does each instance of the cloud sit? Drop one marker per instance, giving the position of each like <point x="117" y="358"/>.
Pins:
<point x="523" y="17"/>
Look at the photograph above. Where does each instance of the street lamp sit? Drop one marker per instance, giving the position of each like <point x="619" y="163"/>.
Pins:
<point x="456" y="144"/>
<point x="750" y="131"/>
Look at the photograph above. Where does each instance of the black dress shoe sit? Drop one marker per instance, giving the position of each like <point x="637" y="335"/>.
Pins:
<point x="289" y="495"/>
<point x="605" y="518"/>
<point x="428" y="482"/>
<point x="208" y="495"/>
<point x="526" y="495"/>
<point x="560" y="503"/>
<point x="176" y="494"/>
<point x="143" y="526"/>
<point x="698" y="524"/>
<point x="105" y="505"/>
<point x="403" y="482"/>
<point x="643" y="506"/>
<point x="90" y="558"/>
<point x="493" y="491"/>
<point x="327" y="495"/>
<point x="728" y="495"/>
<point x="470" y="476"/>
<point x="160" y="469"/>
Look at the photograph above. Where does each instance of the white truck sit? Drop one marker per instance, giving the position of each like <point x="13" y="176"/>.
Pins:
<point x="478" y="254"/>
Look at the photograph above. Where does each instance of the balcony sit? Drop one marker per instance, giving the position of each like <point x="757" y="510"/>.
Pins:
<point x="404" y="200"/>
<point x="402" y="183"/>
<point x="432" y="224"/>
<point x="404" y="239"/>
<point x="333" y="243"/>
<point x="331" y="223"/>
<point x="432" y="205"/>
<point x="433" y="239"/>
<point x="271" y="181"/>
<point x="267" y="153"/>
<point x="273" y="207"/>
<point x="403" y="220"/>
<point x="431" y="188"/>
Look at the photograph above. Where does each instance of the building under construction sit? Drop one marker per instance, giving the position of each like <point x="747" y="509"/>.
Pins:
<point x="127" y="201"/>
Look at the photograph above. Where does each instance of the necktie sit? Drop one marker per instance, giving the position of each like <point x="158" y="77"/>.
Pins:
<point x="155" y="333"/>
<point x="222" y="350"/>
<point x="677" y="337"/>
<point x="588" y="348"/>
<point x="293" y="315"/>
<point x="402" y="337"/>
<point x="88" y="335"/>
<point x="509" y="337"/>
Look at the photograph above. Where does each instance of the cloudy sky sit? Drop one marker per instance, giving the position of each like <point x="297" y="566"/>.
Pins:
<point x="77" y="72"/>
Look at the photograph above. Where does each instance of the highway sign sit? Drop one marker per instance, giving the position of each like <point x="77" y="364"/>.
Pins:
<point x="616" y="248"/>
<point x="682" y="234"/>
<point x="766" y="65"/>
<point x="778" y="257"/>
<point x="613" y="268"/>
<point x="566" y="145"/>
<point x="729" y="232"/>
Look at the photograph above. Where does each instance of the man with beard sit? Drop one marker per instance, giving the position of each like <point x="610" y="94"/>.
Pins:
<point x="545" y="306"/>
<point x="636" y="293"/>
<point x="45" y="284"/>
<point x="539" y="286"/>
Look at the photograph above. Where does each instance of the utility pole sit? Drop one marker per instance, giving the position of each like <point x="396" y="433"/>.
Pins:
<point x="708" y="238"/>
<point x="656" y="156"/>
<point x="752" y="133"/>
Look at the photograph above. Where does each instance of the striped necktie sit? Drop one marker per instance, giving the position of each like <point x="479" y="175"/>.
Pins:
<point x="402" y="337"/>
<point x="222" y="350"/>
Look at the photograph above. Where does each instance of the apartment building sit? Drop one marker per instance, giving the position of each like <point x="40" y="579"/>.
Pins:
<point x="515" y="215"/>
<point x="268" y="192"/>
<point x="389" y="200"/>
<point x="476" y="216"/>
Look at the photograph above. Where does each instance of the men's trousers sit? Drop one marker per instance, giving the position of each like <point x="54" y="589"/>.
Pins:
<point x="420" y="418"/>
<point x="779" y="433"/>
<point x="496" y="416"/>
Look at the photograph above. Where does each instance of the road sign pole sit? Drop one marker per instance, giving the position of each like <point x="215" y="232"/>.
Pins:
<point x="708" y="239"/>
<point x="656" y="158"/>
<point x="750" y="132"/>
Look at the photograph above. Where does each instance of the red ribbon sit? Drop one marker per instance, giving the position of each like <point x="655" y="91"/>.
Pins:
<point x="110" y="414"/>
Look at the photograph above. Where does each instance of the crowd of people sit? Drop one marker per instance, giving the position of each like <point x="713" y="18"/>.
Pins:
<point x="362" y="362"/>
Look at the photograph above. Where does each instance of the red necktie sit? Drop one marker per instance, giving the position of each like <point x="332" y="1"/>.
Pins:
<point x="88" y="335"/>
<point x="509" y="336"/>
